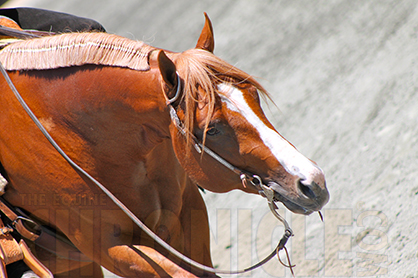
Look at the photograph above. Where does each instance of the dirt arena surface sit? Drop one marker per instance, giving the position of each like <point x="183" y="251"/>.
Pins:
<point x="344" y="75"/>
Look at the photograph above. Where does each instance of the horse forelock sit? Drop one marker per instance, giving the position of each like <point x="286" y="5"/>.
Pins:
<point x="200" y="68"/>
<point x="75" y="49"/>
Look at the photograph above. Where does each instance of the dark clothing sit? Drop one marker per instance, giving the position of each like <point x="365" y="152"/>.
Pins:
<point x="51" y="21"/>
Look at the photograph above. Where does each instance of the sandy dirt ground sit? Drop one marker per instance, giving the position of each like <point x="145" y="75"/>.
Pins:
<point x="344" y="76"/>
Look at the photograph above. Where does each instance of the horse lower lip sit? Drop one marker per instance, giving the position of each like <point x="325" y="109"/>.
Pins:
<point x="280" y="195"/>
<point x="296" y="208"/>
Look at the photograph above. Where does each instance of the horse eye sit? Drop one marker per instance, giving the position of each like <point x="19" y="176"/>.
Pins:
<point x="212" y="131"/>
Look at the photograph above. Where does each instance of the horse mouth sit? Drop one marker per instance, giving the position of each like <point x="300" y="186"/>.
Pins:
<point x="293" y="207"/>
<point x="295" y="202"/>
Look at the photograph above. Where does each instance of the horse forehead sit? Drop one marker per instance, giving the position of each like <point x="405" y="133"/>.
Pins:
<point x="293" y="162"/>
<point x="236" y="101"/>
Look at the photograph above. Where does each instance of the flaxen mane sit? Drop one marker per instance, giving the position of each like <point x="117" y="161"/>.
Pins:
<point x="197" y="68"/>
<point x="75" y="49"/>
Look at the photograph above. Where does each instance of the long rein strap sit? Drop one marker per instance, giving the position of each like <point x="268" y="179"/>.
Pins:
<point x="120" y="204"/>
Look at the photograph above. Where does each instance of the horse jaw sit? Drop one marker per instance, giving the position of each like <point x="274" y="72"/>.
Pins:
<point x="206" y="40"/>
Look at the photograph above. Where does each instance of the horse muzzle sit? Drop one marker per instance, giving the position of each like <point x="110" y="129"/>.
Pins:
<point x="304" y="198"/>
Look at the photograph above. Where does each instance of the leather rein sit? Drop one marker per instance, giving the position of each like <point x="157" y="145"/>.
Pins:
<point x="255" y="180"/>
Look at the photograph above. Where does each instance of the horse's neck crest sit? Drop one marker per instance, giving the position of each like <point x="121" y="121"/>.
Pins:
<point x="76" y="49"/>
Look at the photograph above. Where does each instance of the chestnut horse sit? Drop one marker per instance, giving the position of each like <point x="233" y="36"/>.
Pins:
<point x="109" y="102"/>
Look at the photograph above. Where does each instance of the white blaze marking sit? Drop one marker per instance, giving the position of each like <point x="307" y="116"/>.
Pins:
<point x="290" y="158"/>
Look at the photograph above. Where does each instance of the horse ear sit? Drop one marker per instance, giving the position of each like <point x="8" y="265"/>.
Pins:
<point x="206" y="40"/>
<point x="167" y="69"/>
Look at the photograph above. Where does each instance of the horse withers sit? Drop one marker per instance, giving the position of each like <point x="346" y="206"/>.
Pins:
<point x="143" y="122"/>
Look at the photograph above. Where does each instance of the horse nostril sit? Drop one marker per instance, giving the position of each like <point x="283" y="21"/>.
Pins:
<point x="306" y="190"/>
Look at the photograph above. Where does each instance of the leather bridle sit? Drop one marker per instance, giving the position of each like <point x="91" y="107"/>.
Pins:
<point x="244" y="175"/>
<point x="255" y="180"/>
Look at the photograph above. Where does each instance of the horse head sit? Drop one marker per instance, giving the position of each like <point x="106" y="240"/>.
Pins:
<point x="220" y="109"/>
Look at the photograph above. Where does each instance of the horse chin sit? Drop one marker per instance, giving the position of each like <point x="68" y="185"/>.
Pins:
<point x="280" y="195"/>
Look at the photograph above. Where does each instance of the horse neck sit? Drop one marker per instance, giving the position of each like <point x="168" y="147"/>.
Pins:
<point x="110" y="116"/>
<point x="126" y="128"/>
<point x="123" y="107"/>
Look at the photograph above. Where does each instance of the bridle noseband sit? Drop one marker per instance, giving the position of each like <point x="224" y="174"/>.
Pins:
<point x="264" y="190"/>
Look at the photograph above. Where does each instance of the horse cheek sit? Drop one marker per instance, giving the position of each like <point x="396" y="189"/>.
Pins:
<point x="188" y="161"/>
